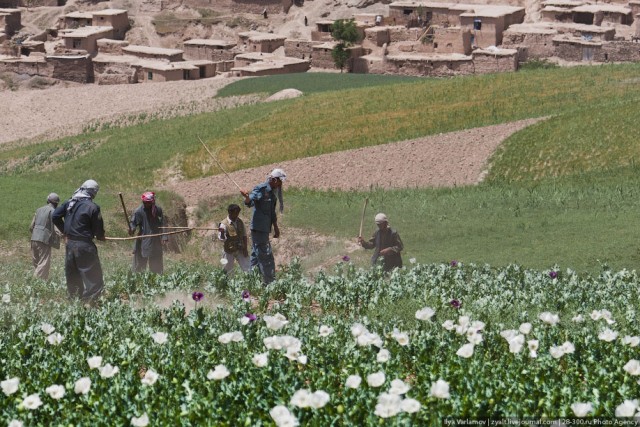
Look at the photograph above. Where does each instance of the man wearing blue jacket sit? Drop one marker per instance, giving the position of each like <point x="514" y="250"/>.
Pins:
<point x="263" y="199"/>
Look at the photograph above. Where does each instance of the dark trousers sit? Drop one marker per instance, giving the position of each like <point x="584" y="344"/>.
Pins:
<point x="155" y="262"/>
<point x="83" y="270"/>
<point x="262" y="256"/>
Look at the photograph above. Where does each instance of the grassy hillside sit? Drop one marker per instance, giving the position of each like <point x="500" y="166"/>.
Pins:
<point x="534" y="208"/>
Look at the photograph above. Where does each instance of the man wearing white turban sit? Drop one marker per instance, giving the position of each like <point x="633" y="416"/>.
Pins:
<point x="386" y="243"/>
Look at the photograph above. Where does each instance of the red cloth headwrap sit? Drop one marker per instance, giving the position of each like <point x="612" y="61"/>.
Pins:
<point x="149" y="196"/>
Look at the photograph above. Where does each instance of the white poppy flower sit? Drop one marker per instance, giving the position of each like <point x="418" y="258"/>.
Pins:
<point x="410" y="406"/>
<point x="399" y="387"/>
<point x="141" y="421"/>
<point x="533" y="348"/>
<point x="32" y="402"/>
<point x="388" y="405"/>
<point x="412" y="260"/>
<point x="402" y="338"/>
<point x="425" y="313"/>
<point x="82" y="386"/>
<point x="282" y="417"/>
<point x="303" y="359"/>
<point x="218" y="373"/>
<point x="556" y="351"/>
<point x="383" y="355"/>
<point x="55" y="338"/>
<point x="260" y="360"/>
<point x="301" y="398"/>
<point x="474" y="337"/>
<point x="94" y="362"/>
<point x="465" y="351"/>
<point x="276" y="322"/>
<point x="325" y="331"/>
<point x="440" y="389"/>
<point x="358" y="329"/>
<point x="632" y="367"/>
<point x="108" y="371"/>
<point x="509" y="334"/>
<point x="244" y="320"/>
<point x="376" y="379"/>
<point x="448" y="325"/>
<point x="353" y="381"/>
<point x="631" y="341"/>
<point x="476" y="326"/>
<point x="525" y="328"/>
<point x="55" y="391"/>
<point x="607" y="335"/>
<point x="369" y="338"/>
<point x="150" y="377"/>
<point x="231" y="337"/>
<point x="578" y="319"/>
<point x="47" y="328"/>
<point x="319" y="399"/>
<point x="160" y="337"/>
<point x="15" y="423"/>
<point x="627" y="408"/>
<point x="549" y="318"/>
<point x="10" y="386"/>
<point x="581" y="409"/>
<point x="6" y="298"/>
<point x="224" y="261"/>
<point x="516" y="343"/>
<point x="568" y="347"/>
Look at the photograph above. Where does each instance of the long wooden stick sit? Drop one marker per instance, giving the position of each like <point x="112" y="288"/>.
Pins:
<point x="190" y="228"/>
<point x="124" y="209"/>
<point x="364" y="209"/>
<point x="144" y="236"/>
<point x="218" y="163"/>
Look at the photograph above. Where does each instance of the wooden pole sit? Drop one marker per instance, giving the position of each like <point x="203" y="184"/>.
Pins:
<point x="218" y="163"/>
<point x="124" y="209"/>
<point x="190" y="228"/>
<point x="364" y="209"/>
<point x="144" y="236"/>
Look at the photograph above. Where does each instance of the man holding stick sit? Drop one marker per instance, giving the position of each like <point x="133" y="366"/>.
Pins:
<point x="148" y="218"/>
<point x="263" y="199"/>
<point x="79" y="220"/>
<point x="386" y="243"/>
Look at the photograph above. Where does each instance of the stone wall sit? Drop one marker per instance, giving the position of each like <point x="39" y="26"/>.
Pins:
<point x="30" y="68"/>
<point x="429" y="67"/>
<point x="620" y="51"/>
<point x="209" y="53"/>
<point x="302" y="49"/>
<point x="322" y="59"/>
<point x="73" y="68"/>
<point x="11" y="21"/>
<point x="111" y="46"/>
<point x="258" y="6"/>
<point x="485" y="63"/>
<point x="402" y="34"/>
<point x="531" y="46"/>
<point x="576" y="51"/>
<point x="114" y="73"/>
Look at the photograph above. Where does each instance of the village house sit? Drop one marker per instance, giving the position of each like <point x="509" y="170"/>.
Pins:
<point x="212" y="50"/>
<point x="10" y="21"/>
<point x="322" y="32"/>
<point x="157" y="53"/>
<point x="260" y="6"/>
<point x="118" y="19"/>
<point x="75" y="20"/>
<point x="260" y="64"/>
<point x="85" y="38"/>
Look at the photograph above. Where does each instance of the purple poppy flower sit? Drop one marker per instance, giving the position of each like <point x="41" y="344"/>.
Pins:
<point x="252" y="317"/>
<point x="197" y="296"/>
<point x="553" y="274"/>
<point x="346" y="258"/>
<point x="454" y="263"/>
<point x="246" y="295"/>
<point x="455" y="303"/>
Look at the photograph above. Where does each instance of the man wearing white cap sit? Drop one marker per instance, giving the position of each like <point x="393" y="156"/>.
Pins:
<point x="44" y="237"/>
<point x="79" y="219"/>
<point x="263" y="199"/>
<point x="386" y="243"/>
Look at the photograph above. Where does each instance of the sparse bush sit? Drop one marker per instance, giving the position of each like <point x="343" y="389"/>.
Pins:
<point x="537" y="64"/>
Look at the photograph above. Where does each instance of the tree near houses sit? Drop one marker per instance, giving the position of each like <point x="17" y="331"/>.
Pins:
<point x="346" y="34"/>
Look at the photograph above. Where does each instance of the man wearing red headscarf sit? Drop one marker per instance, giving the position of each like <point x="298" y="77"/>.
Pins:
<point x="148" y="219"/>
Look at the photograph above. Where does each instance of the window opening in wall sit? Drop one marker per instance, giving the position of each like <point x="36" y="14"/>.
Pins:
<point x="202" y="73"/>
<point x="149" y="75"/>
<point x="477" y="24"/>
<point x="185" y="74"/>
<point x="77" y="43"/>
<point x="407" y="11"/>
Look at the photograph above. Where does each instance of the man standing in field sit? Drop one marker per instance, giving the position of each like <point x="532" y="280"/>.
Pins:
<point x="263" y="199"/>
<point x="44" y="237"/>
<point x="148" y="218"/>
<point x="79" y="220"/>
<point x="385" y="243"/>
<point x="234" y="235"/>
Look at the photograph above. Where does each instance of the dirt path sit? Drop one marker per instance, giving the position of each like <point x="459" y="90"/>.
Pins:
<point x="445" y="160"/>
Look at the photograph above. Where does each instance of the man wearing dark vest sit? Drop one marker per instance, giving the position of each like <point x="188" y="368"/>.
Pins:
<point x="234" y="235"/>
<point x="386" y="244"/>
<point x="79" y="220"/>
<point x="44" y="237"/>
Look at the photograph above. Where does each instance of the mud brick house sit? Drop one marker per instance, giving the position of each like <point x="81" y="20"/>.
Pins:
<point x="597" y="14"/>
<point x="212" y="50"/>
<point x="75" y="20"/>
<point x="252" y="64"/>
<point x="157" y="53"/>
<point x="10" y="21"/>
<point x="302" y="49"/>
<point x="488" y="23"/>
<point x="156" y="71"/>
<point x="265" y="43"/>
<point x="322" y="32"/>
<point x="118" y="19"/>
<point x="85" y="38"/>
<point x="259" y="6"/>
